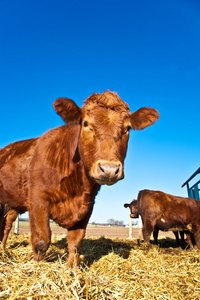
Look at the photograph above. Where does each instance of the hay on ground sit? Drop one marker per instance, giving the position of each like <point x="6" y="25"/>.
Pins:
<point x="110" y="269"/>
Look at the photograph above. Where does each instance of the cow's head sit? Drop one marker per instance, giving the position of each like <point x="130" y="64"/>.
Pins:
<point x="105" y="121"/>
<point x="133" y="208"/>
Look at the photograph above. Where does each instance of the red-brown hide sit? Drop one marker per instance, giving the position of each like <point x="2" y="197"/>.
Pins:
<point x="58" y="175"/>
<point x="161" y="211"/>
<point x="133" y="206"/>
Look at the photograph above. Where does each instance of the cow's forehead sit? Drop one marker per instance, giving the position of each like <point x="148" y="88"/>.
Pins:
<point x="107" y="122"/>
<point x="109" y="100"/>
<point x="107" y="112"/>
<point x="106" y="116"/>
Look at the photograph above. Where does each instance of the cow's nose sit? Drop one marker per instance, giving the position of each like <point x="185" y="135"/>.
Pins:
<point x="109" y="172"/>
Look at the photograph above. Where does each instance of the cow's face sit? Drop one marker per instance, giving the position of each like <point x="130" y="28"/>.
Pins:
<point x="133" y="208"/>
<point x="105" y="124"/>
<point x="103" y="141"/>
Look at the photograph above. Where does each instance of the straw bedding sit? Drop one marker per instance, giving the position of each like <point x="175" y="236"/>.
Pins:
<point x="110" y="269"/>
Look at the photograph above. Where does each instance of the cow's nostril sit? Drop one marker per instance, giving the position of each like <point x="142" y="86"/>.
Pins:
<point x="100" y="167"/>
<point x="117" y="171"/>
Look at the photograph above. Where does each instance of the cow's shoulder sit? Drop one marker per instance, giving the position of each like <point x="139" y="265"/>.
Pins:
<point x="146" y="194"/>
<point x="58" y="149"/>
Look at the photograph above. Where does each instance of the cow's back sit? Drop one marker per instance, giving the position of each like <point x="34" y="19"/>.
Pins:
<point x="166" y="210"/>
<point x="163" y="201"/>
<point x="15" y="150"/>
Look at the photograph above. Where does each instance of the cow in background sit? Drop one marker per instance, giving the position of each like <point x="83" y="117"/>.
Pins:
<point x="161" y="211"/>
<point x="58" y="175"/>
<point x="133" y="206"/>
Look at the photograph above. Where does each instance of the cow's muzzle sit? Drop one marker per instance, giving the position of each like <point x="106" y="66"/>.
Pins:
<point x="134" y="215"/>
<point x="107" y="172"/>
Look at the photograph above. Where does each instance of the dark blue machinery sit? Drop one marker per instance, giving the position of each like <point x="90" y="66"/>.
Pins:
<point x="194" y="190"/>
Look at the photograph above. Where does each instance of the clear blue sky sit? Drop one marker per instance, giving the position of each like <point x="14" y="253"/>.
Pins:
<point x="146" y="50"/>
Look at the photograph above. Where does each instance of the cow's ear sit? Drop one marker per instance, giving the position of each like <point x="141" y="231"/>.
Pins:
<point x="144" y="117"/>
<point x="127" y="205"/>
<point x="68" y="110"/>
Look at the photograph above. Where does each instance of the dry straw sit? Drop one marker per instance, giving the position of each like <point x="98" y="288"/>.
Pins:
<point x="110" y="269"/>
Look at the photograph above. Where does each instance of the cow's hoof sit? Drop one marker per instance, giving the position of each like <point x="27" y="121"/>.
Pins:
<point x="40" y="250"/>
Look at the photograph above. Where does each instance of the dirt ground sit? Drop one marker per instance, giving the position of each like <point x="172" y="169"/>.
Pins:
<point x="96" y="231"/>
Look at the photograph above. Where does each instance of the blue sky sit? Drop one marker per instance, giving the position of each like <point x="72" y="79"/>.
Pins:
<point x="146" y="50"/>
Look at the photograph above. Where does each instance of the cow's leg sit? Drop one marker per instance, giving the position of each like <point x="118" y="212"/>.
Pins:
<point x="177" y="237"/>
<point x="155" y="235"/>
<point x="75" y="237"/>
<point x="196" y="232"/>
<point x="75" y="242"/>
<point x="182" y="235"/>
<point x="40" y="229"/>
<point x="10" y="218"/>
<point x="3" y="211"/>
<point x="192" y="238"/>
<point x="147" y="230"/>
<point x="189" y="238"/>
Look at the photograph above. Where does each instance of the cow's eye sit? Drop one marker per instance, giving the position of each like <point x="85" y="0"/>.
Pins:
<point x="85" y="124"/>
<point x="127" y="129"/>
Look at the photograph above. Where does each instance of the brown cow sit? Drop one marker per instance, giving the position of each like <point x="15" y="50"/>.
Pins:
<point x="134" y="214"/>
<point x="161" y="211"/>
<point x="58" y="175"/>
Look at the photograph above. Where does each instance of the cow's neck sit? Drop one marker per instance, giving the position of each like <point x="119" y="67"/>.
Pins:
<point x="76" y="198"/>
